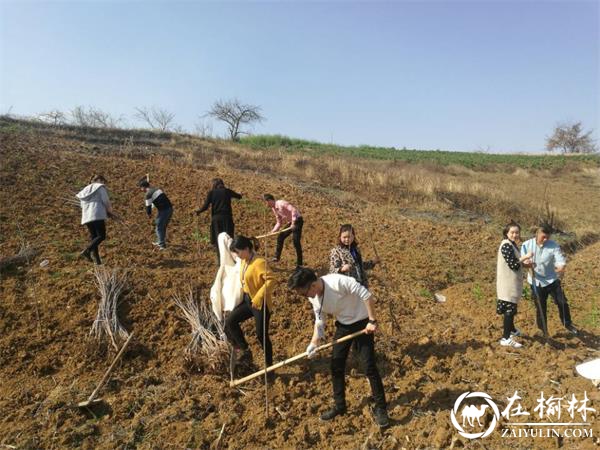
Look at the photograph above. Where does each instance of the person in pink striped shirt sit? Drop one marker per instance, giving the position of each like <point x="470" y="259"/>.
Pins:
<point x="286" y="213"/>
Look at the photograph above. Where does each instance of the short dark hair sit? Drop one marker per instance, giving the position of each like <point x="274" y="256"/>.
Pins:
<point x="546" y="228"/>
<point x="143" y="183"/>
<point x="508" y="226"/>
<point x="302" y="278"/>
<point x="240" y="242"/>
<point x="267" y="197"/>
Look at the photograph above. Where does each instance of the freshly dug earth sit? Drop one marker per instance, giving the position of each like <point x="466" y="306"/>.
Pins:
<point x="429" y="353"/>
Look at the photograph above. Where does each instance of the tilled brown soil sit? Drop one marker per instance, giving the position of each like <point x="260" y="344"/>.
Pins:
<point x="429" y="353"/>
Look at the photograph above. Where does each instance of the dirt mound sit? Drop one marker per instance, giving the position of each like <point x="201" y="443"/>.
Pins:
<point x="429" y="353"/>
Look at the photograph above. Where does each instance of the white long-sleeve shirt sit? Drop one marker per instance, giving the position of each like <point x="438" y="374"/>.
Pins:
<point x="343" y="297"/>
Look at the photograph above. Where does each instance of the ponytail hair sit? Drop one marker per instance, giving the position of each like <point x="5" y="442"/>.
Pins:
<point x="242" y="243"/>
<point x="97" y="178"/>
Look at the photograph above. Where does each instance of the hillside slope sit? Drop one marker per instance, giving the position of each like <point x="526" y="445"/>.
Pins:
<point x="429" y="353"/>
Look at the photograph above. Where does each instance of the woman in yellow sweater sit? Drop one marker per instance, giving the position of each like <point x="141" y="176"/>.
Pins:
<point x="258" y="285"/>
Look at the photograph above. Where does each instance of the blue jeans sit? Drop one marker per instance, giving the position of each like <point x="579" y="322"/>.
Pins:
<point x="162" y="220"/>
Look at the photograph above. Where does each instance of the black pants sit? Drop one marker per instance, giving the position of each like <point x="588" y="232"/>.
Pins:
<point x="556" y="292"/>
<point x="509" y="325"/>
<point x="243" y="312"/>
<point x="97" y="230"/>
<point x="220" y="224"/>
<point x="296" y="236"/>
<point x="508" y="310"/>
<point x="366" y="350"/>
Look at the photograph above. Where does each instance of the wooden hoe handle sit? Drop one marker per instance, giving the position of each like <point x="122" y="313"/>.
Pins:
<point x="293" y="358"/>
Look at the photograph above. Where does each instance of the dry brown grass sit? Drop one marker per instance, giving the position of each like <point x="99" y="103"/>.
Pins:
<point x="208" y="348"/>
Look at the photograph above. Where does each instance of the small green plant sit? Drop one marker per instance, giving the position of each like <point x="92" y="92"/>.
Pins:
<point x="424" y="292"/>
<point x="477" y="293"/>
<point x="593" y="319"/>
<point x="197" y="236"/>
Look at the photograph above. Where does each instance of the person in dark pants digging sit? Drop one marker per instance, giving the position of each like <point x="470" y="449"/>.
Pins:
<point x="286" y="213"/>
<point x="155" y="197"/>
<point x="257" y="285"/>
<point x="219" y="199"/>
<point x="95" y="209"/>
<point x="352" y="305"/>
<point x="549" y="266"/>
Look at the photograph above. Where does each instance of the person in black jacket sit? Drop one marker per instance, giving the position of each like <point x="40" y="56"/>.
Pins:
<point x="155" y="197"/>
<point x="219" y="199"/>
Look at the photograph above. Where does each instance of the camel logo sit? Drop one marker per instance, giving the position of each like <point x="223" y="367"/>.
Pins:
<point x="472" y="414"/>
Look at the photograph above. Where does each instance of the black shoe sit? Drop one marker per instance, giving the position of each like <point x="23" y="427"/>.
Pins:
<point x="381" y="417"/>
<point x="271" y="377"/>
<point x="244" y="358"/>
<point x="86" y="255"/>
<point x="571" y="329"/>
<point x="333" y="412"/>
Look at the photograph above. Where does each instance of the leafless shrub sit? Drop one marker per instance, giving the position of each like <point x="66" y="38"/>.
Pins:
<point x="53" y="117"/>
<point x="203" y="129"/>
<point x="107" y="326"/>
<point x="93" y="118"/>
<point x="156" y="118"/>
<point x="208" y="347"/>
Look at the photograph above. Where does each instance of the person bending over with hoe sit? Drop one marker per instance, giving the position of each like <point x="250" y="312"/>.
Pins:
<point x="509" y="281"/>
<point x="286" y="213"/>
<point x="352" y="305"/>
<point x="95" y="209"/>
<point x="549" y="266"/>
<point x="257" y="285"/>
<point x="155" y="197"/>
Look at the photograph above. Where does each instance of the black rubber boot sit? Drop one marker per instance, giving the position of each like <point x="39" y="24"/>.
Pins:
<point x="333" y="412"/>
<point x="381" y="417"/>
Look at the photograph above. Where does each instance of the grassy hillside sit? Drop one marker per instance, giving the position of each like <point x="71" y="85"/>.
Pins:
<point x="415" y="215"/>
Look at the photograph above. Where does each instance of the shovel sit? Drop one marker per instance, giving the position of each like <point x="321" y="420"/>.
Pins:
<point x="92" y="400"/>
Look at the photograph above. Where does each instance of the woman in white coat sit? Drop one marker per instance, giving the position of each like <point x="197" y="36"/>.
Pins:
<point x="95" y="209"/>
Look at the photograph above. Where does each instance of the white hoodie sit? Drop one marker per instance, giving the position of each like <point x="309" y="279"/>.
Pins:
<point x="94" y="202"/>
<point x="226" y="292"/>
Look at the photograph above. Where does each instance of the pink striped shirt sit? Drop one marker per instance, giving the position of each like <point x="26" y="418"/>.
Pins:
<point x="285" y="212"/>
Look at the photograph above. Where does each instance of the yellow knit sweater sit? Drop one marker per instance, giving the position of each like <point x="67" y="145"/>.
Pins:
<point x="257" y="282"/>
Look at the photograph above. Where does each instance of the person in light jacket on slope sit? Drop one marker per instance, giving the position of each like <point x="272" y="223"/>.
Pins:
<point x="95" y="209"/>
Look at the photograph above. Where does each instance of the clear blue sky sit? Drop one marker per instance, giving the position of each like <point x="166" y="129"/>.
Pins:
<point x="431" y="75"/>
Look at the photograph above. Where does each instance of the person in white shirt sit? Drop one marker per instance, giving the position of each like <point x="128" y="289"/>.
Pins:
<point x="352" y="305"/>
<point x="549" y="263"/>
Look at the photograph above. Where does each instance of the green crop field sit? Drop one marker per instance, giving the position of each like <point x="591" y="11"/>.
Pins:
<point x="467" y="159"/>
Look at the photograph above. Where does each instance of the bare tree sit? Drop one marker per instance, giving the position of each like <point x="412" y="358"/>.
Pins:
<point x="93" y="117"/>
<point x="203" y="129"/>
<point x="235" y="114"/>
<point x="156" y="118"/>
<point x="54" y="117"/>
<point x="569" y="138"/>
